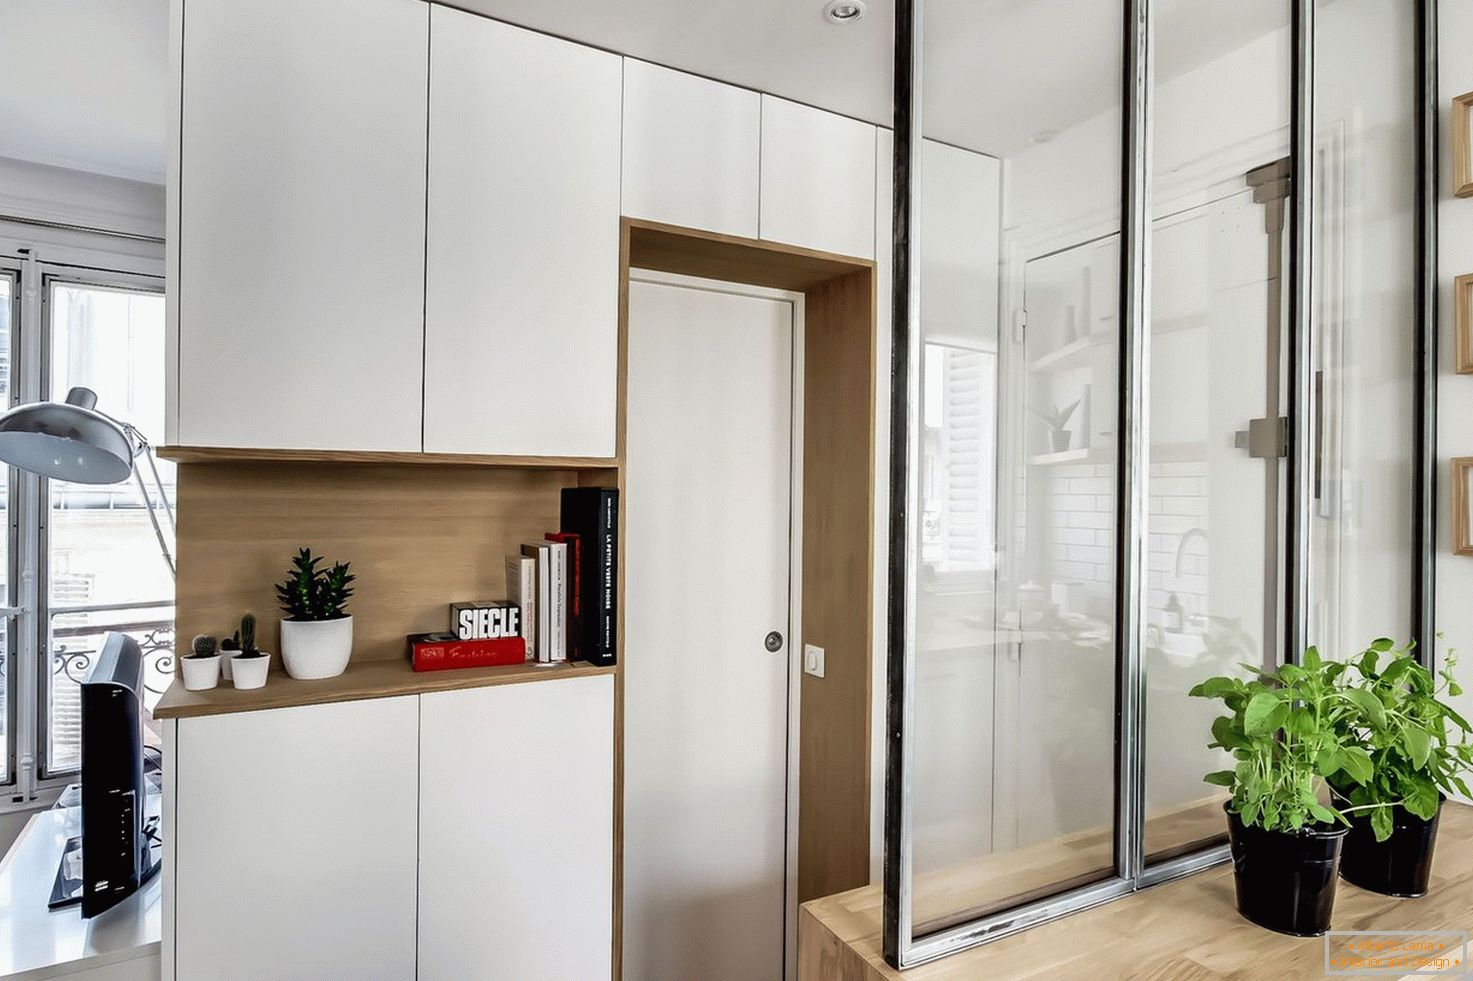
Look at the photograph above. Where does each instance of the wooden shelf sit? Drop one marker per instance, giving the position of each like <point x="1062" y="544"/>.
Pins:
<point x="232" y="454"/>
<point x="1078" y="455"/>
<point x="1072" y="355"/>
<point x="363" y="679"/>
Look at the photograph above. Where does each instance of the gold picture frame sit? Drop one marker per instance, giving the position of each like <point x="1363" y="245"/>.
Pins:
<point x="1462" y="150"/>
<point x="1463" y="324"/>
<point x="1461" y="488"/>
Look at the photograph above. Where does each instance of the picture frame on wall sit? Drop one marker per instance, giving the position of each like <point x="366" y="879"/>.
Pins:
<point x="1462" y="133"/>
<point x="1462" y="488"/>
<point x="1463" y="324"/>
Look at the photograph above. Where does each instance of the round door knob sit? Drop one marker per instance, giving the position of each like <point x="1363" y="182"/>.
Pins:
<point x="774" y="641"/>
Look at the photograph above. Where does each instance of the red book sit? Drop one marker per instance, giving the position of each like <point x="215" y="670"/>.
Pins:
<point x="438" y="652"/>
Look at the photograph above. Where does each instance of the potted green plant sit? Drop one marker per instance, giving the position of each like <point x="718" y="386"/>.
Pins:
<point x="1057" y="419"/>
<point x="201" y="666"/>
<point x="1419" y="751"/>
<point x="317" y="632"/>
<point x="249" y="664"/>
<point x="1284" y="731"/>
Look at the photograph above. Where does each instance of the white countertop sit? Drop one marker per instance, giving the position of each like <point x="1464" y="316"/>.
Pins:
<point x="38" y="943"/>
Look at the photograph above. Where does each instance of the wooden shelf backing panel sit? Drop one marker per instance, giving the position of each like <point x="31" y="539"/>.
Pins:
<point x="418" y="538"/>
<point x="234" y="454"/>
<point x="363" y="679"/>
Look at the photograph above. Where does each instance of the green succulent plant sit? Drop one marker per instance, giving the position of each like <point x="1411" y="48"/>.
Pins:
<point x="313" y="593"/>
<point x="203" y="645"/>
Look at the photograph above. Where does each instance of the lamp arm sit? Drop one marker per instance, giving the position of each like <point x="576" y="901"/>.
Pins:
<point x="141" y="448"/>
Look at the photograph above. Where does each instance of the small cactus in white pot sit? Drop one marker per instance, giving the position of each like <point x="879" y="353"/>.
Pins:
<point x="201" y="666"/>
<point x="317" y="630"/>
<point x="250" y="665"/>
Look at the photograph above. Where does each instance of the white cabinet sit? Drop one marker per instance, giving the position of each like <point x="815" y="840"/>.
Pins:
<point x="516" y="831"/>
<point x="818" y="179"/>
<point x="960" y="231"/>
<point x="691" y="150"/>
<point x="522" y="275"/>
<point x="293" y="850"/>
<point x="301" y="223"/>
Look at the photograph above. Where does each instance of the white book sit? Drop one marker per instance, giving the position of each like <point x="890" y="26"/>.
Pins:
<point x="521" y="589"/>
<point x="542" y="642"/>
<point x="558" y="598"/>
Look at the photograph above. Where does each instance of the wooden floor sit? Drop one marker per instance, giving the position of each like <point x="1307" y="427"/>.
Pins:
<point x="1188" y="930"/>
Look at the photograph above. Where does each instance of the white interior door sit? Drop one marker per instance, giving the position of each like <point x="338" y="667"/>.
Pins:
<point x="708" y="521"/>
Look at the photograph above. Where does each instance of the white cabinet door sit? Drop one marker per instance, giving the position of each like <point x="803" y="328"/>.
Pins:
<point x="818" y="179"/>
<point x="516" y="842"/>
<point x="691" y="150"/>
<point x="521" y="313"/>
<point x="960" y="231"/>
<point x="294" y="843"/>
<point x="301" y="223"/>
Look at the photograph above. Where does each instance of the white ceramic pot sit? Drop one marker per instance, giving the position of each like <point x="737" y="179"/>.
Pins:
<point x="250" y="672"/>
<point x="316" y="648"/>
<point x="201" y="673"/>
<point x="225" y="658"/>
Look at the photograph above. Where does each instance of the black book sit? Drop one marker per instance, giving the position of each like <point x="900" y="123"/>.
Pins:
<point x="592" y="513"/>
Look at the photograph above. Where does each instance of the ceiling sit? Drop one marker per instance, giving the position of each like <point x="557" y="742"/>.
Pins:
<point x="82" y="84"/>
<point x="785" y="47"/>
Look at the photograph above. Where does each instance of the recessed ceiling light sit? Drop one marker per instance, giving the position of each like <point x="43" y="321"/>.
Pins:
<point x="843" y="11"/>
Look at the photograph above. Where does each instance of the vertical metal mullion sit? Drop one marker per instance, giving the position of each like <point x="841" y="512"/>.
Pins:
<point x="1133" y="474"/>
<point x="1424" y="467"/>
<point x="1299" y="511"/>
<point x="904" y="486"/>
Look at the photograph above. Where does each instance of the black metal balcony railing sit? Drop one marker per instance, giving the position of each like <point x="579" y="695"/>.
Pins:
<point x="74" y="647"/>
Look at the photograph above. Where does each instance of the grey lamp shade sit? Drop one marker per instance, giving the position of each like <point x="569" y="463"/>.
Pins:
<point x="66" y="440"/>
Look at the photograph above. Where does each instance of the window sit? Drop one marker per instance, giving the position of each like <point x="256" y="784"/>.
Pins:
<point x="92" y="549"/>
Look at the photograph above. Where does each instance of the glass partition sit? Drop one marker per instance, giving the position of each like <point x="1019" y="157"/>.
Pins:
<point x="1101" y="329"/>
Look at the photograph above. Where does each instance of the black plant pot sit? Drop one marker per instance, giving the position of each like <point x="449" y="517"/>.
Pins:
<point x="1399" y="866"/>
<point x="1285" y="879"/>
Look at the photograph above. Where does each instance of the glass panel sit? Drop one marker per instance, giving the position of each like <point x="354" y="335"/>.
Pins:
<point x="1219" y="299"/>
<point x="1365" y="244"/>
<point x="1013" y="788"/>
<point x="103" y="551"/>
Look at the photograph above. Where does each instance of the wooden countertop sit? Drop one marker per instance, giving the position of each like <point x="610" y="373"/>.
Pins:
<point x="362" y="679"/>
<point x="1186" y="930"/>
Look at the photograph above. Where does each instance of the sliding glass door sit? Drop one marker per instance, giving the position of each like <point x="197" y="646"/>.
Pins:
<point x="1112" y="330"/>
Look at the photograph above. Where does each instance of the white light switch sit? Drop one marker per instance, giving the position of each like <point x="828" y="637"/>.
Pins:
<point x="813" y="660"/>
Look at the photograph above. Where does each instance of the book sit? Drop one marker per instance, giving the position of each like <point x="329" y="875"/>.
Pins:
<point x="557" y="599"/>
<point x="442" y="651"/>
<point x="521" y="589"/>
<point x="592" y="513"/>
<point x="485" y="620"/>
<point x="541" y="554"/>
<point x="574" y="598"/>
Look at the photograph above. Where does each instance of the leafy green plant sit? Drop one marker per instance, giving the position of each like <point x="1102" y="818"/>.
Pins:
<point x="1055" y="417"/>
<point x="1417" y="743"/>
<point x="313" y="593"/>
<point x="203" y="645"/>
<point x="1288" y="731"/>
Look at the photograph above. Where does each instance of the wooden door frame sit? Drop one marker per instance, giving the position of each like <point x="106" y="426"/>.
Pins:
<point x="835" y="578"/>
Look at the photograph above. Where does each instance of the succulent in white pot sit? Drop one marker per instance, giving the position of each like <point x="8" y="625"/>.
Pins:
<point x="201" y="666"/>
<point x="250" y="665"/>
<point x="317" y="630"/>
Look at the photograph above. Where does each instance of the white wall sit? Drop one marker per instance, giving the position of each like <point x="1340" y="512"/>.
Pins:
<point x="1455" y="392"/>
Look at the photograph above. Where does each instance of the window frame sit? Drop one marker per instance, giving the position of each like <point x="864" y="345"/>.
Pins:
<point x="70" y="259"/>
<point x="52" y="276"/>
